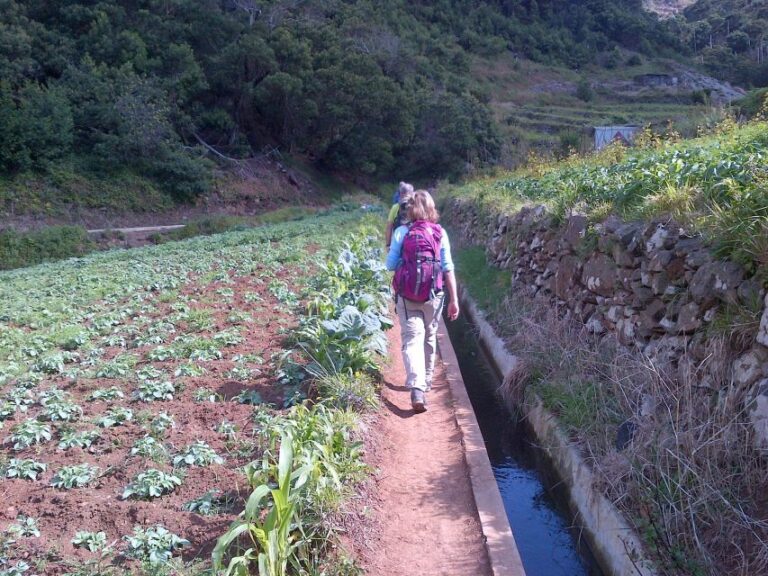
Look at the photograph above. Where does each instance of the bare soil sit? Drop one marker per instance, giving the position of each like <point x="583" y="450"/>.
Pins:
<point x="99" y="506"/>
<point x="425" y="520"/>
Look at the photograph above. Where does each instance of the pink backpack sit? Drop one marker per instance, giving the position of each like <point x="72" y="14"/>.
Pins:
<point x="420" y="273"/>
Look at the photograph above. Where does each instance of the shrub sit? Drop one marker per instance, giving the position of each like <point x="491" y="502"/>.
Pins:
<point x="584" y="90"/>
<point x="19" y="249"/>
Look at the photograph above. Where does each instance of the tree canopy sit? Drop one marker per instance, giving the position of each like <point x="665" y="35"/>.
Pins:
<point x="363" y="86"/>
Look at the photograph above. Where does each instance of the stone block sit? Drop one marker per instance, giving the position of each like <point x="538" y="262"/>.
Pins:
<point x="568" y="270"/>
<point x="686" y="246"/>
<point x="575" y="229"/>
<point x="623" y="257"/>
<point x="659" y="239"/>
<point x="630" y="236"/>
<point x="716" y="281"/>
<point x="659" y="260"/>
<point x="749" y="368"/>
<point x="758" y="414"/>
<point x="750" y="292"/>
<point x="675" y="269"/>
<point x="762" y="333"/>
<point x="659" y="283"/>
<point x="599" y="275"/>
<point x="688" y="319"/>
<point x="641" y="295"/>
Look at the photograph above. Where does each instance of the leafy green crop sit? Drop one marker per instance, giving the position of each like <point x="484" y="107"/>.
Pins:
<point x="74" y="439"/>
<point x="161" y="424"/>
<point x="24" y="469"/>
<point x="151" y="484"/>
<point x="106" y="394"/>
<point x="210" y="503"/>
<point x="75" y="476"/>
<point x="115" y="417"/>
<point x="198" y="454"/>
<point x="93" y="541"/>
<point x="154" y="545"/>
<point x="28" y="433"/>
<point x="148" y="447"/>
<point x="152" y="390"/>
<point x="26" y="527"/>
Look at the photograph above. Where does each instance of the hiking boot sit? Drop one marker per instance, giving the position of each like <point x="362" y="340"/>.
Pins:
<point x="418" y="401"/>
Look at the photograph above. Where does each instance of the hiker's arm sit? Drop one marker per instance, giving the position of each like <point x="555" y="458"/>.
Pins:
<point x="391" y="216"/>
<point x="450" y="278"/>
<point x="393" y="256"/>
<point x="453" y="295"/>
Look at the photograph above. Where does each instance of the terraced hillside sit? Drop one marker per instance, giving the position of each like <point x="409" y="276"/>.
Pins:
<point x="545" y="108"/>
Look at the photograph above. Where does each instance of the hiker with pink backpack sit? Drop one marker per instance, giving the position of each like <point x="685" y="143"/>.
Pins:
<point x="420" y="255"/>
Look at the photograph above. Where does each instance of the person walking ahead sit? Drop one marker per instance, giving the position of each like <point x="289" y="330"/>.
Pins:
<point x="420" y="255"/>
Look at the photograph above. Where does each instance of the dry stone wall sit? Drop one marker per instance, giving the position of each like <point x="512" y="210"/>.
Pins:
<point x="653" y="286"/>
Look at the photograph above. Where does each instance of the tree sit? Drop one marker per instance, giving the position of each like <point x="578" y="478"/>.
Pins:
<point x="738" y="41"/>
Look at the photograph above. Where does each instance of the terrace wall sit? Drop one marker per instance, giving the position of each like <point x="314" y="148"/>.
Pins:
<point x="653" y="285"/>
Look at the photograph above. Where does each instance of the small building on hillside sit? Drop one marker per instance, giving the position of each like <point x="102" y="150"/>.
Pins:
<point x="604" y="135"/>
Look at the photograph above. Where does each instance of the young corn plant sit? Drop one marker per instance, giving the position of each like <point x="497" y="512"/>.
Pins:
<point x="275" y="538"/>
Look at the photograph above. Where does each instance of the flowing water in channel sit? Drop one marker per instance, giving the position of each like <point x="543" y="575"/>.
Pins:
<point x="548" y="542"/>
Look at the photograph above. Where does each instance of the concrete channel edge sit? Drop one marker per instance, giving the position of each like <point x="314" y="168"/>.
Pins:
<point x="612" y="540"/>
<point x="499" y="541"/>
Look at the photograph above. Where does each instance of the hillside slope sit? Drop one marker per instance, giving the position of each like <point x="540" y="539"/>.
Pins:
<point x="362" y="87"/>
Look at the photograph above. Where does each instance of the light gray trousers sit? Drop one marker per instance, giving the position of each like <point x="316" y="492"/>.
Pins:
<point x="418" y="330"/>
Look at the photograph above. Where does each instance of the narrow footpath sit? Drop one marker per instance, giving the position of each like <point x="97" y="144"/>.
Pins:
<point x="426" y="520"/>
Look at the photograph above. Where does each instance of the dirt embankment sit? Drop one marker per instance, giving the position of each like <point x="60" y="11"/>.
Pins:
<point x="242" y="188"/>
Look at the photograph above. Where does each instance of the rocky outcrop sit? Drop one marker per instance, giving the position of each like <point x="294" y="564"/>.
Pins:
<point x="652" y="285"/>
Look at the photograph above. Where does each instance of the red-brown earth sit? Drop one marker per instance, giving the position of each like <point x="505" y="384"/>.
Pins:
<point x="99" y="507"/>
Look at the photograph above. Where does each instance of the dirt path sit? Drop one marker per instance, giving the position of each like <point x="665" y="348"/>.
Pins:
<point x="426" y="517"/>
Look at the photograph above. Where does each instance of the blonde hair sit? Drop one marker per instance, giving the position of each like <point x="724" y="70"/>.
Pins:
<point x="422" y="207"/>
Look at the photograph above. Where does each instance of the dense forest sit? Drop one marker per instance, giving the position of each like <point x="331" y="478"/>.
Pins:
<point x="730" y="37"/>
<point x="362" y="87"/>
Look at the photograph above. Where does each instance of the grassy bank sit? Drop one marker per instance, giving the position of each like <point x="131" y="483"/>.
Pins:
<point x="716" y="185"/>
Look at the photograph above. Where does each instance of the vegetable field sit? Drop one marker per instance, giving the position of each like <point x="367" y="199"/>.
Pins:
<point x="150" y="398"/>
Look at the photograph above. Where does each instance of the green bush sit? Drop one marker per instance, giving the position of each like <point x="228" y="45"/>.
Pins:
<point x="18" y="249"/>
